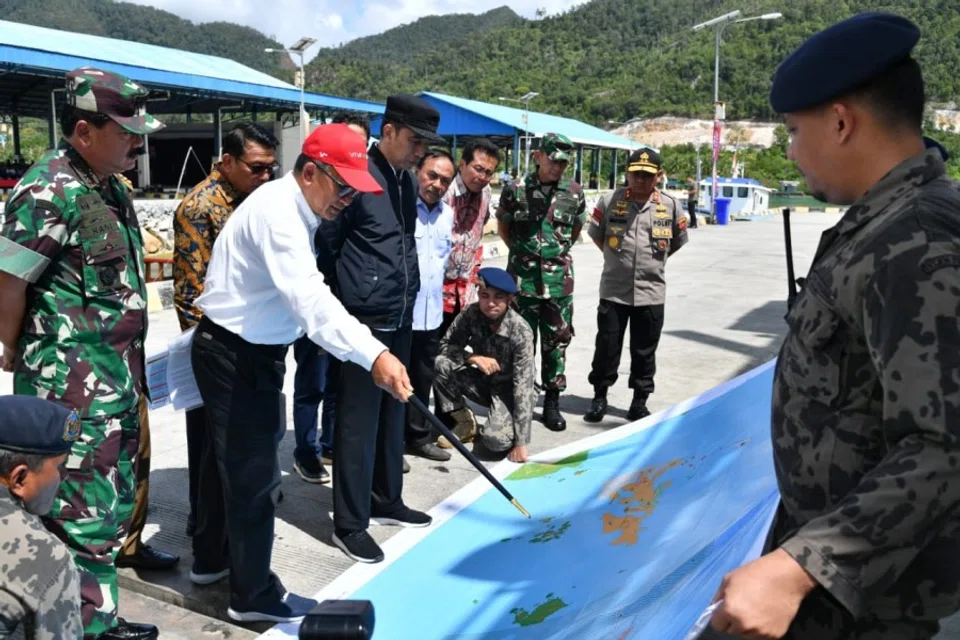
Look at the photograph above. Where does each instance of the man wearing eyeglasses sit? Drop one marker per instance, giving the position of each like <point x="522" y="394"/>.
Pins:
<point x="373" y="247"/>
<point x="470" y="198"/>
<point x="247" y="162"/>
<point x="262" y="292"/>
<point x="540" y="219"/>
<point x="73" y="321"/>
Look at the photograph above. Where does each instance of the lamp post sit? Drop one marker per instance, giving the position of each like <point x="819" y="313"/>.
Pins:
<point x="525" y="101"/>
<point x="720" y="23"/>
<point x="299" y="48"/>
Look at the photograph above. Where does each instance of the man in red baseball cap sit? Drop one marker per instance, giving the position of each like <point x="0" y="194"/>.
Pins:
<point x="263" y="291"/>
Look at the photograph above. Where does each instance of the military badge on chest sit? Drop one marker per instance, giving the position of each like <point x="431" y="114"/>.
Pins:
<point x="617" y="224"/>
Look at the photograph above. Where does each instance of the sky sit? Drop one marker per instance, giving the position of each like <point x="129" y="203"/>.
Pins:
<point x="333" y="22"/>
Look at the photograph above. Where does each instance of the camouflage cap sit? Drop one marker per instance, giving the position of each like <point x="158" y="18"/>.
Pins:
<point x="115" y="96"/>
<point x="557" y="147"/>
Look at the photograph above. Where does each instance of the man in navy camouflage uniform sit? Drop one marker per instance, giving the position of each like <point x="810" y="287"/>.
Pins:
<point x="866" y="396"/>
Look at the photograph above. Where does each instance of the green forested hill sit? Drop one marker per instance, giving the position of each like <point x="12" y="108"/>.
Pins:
<point x="126" y="21"/>
<point x="618" y="59"/>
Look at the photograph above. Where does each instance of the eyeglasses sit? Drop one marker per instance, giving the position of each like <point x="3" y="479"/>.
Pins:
<point x="345" y="190"/>
<point x="260" y="168"/>
<point x="486" y="173"/>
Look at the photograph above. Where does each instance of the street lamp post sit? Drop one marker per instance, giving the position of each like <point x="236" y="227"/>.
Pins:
<point x="525" y="101"/>
<point x="721" y="23"/>
<point x="299" y="48"/>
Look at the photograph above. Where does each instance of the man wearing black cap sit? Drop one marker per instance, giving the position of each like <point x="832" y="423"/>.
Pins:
<point x="637" y="229"/>
<point x="866" y="542"/>
<point x="376" y="274"/>
<point x="40" y="593"/>
<point x="497" y="372"/>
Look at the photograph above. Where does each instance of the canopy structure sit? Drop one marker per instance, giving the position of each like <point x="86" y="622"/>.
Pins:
<point x="34" y="60"/>
<point x="461" y="119"/>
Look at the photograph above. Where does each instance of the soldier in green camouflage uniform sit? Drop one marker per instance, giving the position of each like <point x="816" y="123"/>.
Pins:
<point x="866" y="391"/>
<point x="540" y="218"/>
<point x="73" y="320"/>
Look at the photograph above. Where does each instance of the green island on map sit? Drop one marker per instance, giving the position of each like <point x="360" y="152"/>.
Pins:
<point x="539" y="469"/>
<point x="543" y="611"/>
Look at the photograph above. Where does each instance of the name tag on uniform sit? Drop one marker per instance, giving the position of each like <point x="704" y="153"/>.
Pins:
<point x="662" y="223"/>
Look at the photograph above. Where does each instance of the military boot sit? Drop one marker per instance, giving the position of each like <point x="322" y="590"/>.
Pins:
<point x="638" y="408"/>
<point x="551" y="411"/>
<point x="465" y="427"/>
<point x="598" y="406"/>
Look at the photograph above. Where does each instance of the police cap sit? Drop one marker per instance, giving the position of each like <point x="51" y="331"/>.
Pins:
<point x="37" y="426"/>
<point x="841" y="58"/>
<point x="497" y="278"/>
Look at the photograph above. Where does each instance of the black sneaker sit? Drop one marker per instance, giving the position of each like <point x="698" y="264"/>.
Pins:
<point x="292" y="608"/>
<point x="312" y="471"/>
<point x="403" y="517"/>
<point x="358" y="545"/>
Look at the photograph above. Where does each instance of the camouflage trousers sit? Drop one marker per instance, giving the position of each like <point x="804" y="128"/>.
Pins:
<point x="92" y="511"/>
<point x="453" y="383"/>
<point x="552" y="318"/>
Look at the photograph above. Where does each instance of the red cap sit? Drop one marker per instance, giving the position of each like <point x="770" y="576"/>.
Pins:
<point x="342" y="148"/>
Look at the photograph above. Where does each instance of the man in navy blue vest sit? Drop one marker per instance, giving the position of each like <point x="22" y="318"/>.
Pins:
<point x="377" y="278"/>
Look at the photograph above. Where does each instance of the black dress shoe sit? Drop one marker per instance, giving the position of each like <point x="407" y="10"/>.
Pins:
<point x="598" y="409"/>
<point x="430" y="451"/>
<point x="130" y="631"/>
<point x="638" y="410"/>
<point x="148" y="558"/>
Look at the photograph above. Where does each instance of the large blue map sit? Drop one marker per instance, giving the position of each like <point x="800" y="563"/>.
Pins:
<point x="631" y="534"/>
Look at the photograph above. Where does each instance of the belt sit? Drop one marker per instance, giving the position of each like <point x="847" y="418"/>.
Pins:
<point x="235" y="342"/>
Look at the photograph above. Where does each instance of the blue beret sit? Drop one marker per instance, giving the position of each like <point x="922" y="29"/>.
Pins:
<point x="498" y="279"/>
<point x="930" y="143"/>
<point x="841" y="58"/>
<point x="37" y="426"/>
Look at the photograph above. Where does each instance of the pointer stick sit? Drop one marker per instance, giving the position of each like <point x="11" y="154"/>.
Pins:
<point x="472" y="459"/>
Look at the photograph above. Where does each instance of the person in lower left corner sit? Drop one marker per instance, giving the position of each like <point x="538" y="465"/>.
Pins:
<point x="40" y="596"/>
<point x="499" y="373"/>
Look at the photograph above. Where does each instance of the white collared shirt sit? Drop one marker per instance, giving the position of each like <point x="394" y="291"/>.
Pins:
<point x="434" y="235"/>
<point x="263" y="284"/>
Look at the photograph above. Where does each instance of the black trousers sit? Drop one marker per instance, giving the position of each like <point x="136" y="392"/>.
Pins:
<point x="196" y="439"/>
<point x="449" y="317"/>
<point x="368" y="442"/>
<point x="423" y="356"/>
<point x="692" y="211"/>
<point x="646" y="324"/>
<point x="241" y="385"/>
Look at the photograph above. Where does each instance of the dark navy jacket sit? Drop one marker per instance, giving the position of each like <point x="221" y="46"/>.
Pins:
<point x="371" y="252"/>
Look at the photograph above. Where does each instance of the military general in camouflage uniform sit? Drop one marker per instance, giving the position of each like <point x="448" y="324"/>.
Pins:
<point x="866" y="397"/>
<point x="497" y="372"/>
<point x="540" y="218"/>
<point x="73" y="320"/>
<point x="40" y="590"/>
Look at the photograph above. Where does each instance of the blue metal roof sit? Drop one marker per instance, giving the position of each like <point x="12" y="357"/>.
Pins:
<point x="38" y="50"/>
<point x="463" y="117"/>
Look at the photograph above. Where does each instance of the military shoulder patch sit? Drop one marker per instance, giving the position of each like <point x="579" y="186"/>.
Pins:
<point x="932" y="264"/>
<point x="71" y="428"/>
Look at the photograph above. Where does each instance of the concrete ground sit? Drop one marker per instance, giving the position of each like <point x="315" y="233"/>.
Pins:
<point x="726" y="301"/>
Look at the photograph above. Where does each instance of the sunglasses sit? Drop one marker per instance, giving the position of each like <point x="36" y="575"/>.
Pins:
<point x="259" y="168"/>
<point x="344" y="190"/>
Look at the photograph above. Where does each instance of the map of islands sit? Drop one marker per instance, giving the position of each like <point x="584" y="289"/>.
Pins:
<point x="629" y="537"/>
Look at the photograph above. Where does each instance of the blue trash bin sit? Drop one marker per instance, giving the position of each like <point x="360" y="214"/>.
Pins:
<point x="723" y="210"/>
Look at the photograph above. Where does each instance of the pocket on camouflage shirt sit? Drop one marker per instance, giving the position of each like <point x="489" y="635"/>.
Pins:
<point x="813" y="350"/>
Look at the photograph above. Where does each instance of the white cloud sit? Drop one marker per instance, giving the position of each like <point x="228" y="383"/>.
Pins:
<point x="330" y="22"/>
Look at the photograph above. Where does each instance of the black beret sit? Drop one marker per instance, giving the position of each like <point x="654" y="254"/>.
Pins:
<point x="37" y="426"/>
<point x="497" y="278"/>
<point x="841" y="58"/>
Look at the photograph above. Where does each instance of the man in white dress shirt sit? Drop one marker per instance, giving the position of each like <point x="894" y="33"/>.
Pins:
<point x="434" y="243"/>
<point x="263" y="291"/>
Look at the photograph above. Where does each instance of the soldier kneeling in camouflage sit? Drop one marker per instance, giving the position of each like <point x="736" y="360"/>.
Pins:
<point x="498" y="371"/>
<point x="40" y="596"/>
